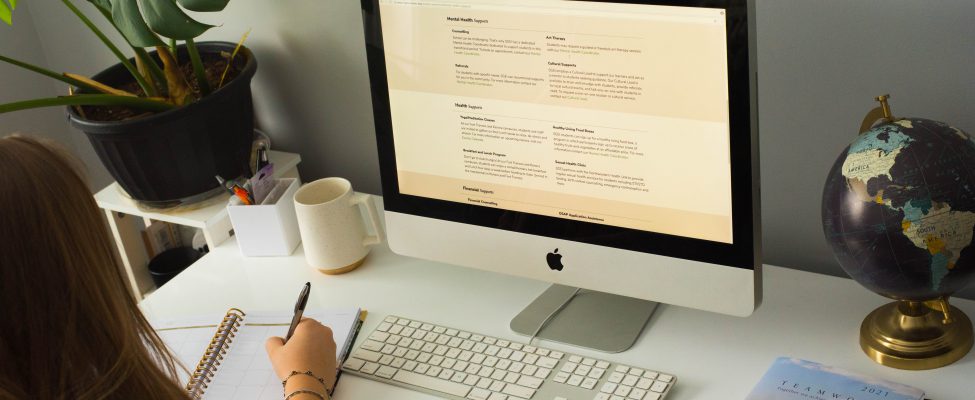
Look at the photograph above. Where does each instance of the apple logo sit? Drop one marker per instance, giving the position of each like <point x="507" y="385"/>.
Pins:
<point x="554" y="260"/>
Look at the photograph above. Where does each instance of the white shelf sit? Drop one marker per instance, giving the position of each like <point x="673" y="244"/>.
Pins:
<point x="210" y="216"/>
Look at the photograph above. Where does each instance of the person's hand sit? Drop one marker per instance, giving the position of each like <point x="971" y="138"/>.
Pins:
<point x="311" y="348"/>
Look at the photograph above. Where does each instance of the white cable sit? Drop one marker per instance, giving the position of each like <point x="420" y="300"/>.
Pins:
<point x="552" y="315"/>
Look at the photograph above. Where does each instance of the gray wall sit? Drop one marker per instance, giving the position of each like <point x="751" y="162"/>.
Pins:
<point x="820" y="64"/>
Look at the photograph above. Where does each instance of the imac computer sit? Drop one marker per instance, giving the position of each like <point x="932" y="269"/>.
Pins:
<point x="609" y="146"/>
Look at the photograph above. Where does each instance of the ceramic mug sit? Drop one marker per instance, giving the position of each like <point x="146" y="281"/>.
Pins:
<point x="332" y="229"/>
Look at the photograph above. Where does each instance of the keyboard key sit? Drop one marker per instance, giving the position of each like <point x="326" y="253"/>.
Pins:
<point x="588" y="362"/>
<point x="458" y="377"/>
<point x="503" y="343"/>
<point x="379" y="336"/>
<point x="556" y="355"/>
<point x="601" y="396"/>
<point x="532" y="382"/>
<point x="511" y="377"/>
<point x="479" y="394"/>
<point x="402" y="321"/>
<point x="445" y="374"/>
<point x="386" y="359"/>
<point x="484" y="383"/>
<point x="630" y="380"/>
<point x="561" y="377"/>
<point x="602" y="364"/>
<point x="569" y="367"/>
<point x="583" y="370"/>
<point x="616" y="377"/>
<point x="395" y="329"/>
<point x="574" y="380"/>
<point x="367" y="355"/>
<point x="515" y="346"/>
<point x="644" y="383"/>
<point x="622" y="391"/>
<point x="434" y="371"/>
<point x="398" y="363"/>
<point x="485" y="371"/>
<point x="498" y="396"/>
<point x="478" y="338"/>
<point x="637" y="394"/>
<point x="596" y="373"/>
<point x="652" y="396"/>
<point x="636" y="371"/>
<point x="650" y="375"/>
<point x="426" y="327"/>
<point x="451" y="388"/>
<point x="388" y="349"/>
<point x="659" y="387"/>
<point x="414" y="324"/>
<point x="369" y="368"/>
<point x="515" y="390"/>
<point x="496" y="386"/>
<point x="529" y="370"/>
<point x="546" y="362"/>
<point x="542" y="373"/>
<point x="622" y="369"/>
<point x="383" y="327"/>
<point x="399" y="352"/>
<point x="452" y="332"/>
<point x="410" y="365"/>
<point x="354" y="364"/>
<point x="542" y="352"/>
<point x="665" y="378"/>
<point x="464" y="335"/>
<point x="530" y="359"/>
<point x="588" y="383"/>
<point x="608" y="387"/>
<point x="386" y="372"/>
<point x="421" y="369"/>
<point x="372" y="345"/>
<point x="439" y="329"/>
<point x="575" y="359"/>
<point x="391" y="319"/>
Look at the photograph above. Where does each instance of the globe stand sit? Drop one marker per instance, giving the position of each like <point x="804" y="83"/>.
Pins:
<point x="916" y="335"/>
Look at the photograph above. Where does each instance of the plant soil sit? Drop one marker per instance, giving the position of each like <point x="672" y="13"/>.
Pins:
<point x="213" y="64"/>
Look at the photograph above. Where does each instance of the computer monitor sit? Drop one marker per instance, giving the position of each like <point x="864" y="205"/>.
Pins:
<point x="609" y="146"/>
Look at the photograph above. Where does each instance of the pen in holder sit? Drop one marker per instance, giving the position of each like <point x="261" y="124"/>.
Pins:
<point x="269" y="228"/>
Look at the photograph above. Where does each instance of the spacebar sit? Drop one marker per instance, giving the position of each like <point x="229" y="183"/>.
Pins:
<point x="431" y="383"/>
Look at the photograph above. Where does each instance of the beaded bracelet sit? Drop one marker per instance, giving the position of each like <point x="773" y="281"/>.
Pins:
<point x="304" y="391"/>
<point x="293" y="373"/>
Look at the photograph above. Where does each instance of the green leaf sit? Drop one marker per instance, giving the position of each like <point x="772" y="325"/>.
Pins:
<point x="167" y="19"/>
<point x="13" y="4"/>
<point x="128" y="20"/>
<point x="89" y="100"/>
<point x="104" y="5"/>
<point x="5" y="13"/>
<point x="203" y="5"/>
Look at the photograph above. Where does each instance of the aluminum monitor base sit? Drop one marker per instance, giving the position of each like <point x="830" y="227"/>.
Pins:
<point x="600" y="321"/>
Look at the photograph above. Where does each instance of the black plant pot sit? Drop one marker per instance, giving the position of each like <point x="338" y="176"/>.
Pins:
<point x="171" y="158"/>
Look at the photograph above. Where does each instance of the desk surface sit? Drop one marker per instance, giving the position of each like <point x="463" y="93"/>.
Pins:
<point x="716" y="357"/>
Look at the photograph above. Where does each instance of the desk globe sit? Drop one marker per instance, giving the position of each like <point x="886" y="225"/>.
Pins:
<point x="898" y="212"/>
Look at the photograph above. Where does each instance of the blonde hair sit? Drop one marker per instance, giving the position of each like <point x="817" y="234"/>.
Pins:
<point x="69" y="328"/>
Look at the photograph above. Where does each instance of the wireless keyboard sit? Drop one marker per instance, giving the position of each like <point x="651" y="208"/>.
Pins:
<point x="457" y="364"/>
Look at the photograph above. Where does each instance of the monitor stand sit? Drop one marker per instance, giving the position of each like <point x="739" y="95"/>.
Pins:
<point x="595" y="320"/>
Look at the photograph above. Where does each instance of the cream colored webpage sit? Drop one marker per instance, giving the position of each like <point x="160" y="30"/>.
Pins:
<point x="606" y="113"/>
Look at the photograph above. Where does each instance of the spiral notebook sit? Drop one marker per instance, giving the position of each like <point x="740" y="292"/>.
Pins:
<point x="226" y="357"/>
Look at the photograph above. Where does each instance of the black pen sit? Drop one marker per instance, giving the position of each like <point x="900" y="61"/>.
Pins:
<point x="299" y="310"/>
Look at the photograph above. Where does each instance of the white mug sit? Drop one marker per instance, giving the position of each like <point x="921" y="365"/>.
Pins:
<point x="333" y="233"/>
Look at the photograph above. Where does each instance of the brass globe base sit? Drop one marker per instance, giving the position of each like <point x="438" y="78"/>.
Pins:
<point x="909" y="335"/>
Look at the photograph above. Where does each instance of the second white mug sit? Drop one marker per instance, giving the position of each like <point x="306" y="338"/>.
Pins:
<point x="333" y="232"/>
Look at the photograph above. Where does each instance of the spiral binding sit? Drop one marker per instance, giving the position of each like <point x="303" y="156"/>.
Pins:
<point x="214" y="353"/>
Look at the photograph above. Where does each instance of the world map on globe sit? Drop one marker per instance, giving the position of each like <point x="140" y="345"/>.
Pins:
<point x="899" y="209"/>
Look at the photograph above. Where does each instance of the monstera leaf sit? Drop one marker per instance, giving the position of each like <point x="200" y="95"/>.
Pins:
<point x="142" y="20"/>
<point x="6" y="10"/>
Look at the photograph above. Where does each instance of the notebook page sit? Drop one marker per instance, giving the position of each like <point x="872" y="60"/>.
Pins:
<point x="246" y="372"/>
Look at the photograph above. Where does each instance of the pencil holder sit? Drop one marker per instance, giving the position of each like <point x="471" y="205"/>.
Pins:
<point x="269" y="228"/>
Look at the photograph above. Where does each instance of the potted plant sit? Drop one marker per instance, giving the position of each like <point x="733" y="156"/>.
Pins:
<point x="163" y="122"/>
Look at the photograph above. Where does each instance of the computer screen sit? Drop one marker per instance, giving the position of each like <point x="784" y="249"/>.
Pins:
<point x="618" y="135"/>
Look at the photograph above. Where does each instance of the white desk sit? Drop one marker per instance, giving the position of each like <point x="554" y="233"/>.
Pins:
<point x="716" y="357"/>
